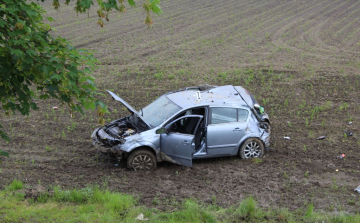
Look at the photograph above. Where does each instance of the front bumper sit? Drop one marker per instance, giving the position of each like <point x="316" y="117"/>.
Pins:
<point x="266" y="137"/>
<point x="99" y="143"/>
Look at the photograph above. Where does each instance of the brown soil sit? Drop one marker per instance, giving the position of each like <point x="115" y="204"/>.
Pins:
<point x="299" y="58"/>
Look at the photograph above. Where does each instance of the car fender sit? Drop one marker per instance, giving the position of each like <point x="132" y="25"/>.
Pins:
<point x="244" y="138"/>
<point x="145" y="144"/>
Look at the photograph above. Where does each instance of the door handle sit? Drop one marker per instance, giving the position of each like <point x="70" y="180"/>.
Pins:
<point x="237" y="129"/>
<point x="186" y="142"/>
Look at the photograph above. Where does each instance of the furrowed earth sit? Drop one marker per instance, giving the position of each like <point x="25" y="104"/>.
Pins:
<point x="300" y="59"/>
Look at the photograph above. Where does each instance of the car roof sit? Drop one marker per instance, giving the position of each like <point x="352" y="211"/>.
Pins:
<point x="216" y="96"/>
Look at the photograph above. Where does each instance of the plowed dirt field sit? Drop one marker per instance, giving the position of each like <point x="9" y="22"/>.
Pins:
<point x="300" y="59"/>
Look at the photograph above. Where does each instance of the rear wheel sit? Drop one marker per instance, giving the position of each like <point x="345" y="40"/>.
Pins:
<point x="252" y="148"/>
<point x="141" y="159"/>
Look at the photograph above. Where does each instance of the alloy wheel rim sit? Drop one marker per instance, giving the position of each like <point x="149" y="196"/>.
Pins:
<point x="142" y="162"/>
<point x="252" y="150"/>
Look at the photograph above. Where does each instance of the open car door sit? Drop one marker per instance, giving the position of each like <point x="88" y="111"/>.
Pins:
<point x="177" y="143"/>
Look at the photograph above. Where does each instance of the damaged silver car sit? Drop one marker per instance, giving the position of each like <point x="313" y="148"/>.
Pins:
<point x="191" y="123"/>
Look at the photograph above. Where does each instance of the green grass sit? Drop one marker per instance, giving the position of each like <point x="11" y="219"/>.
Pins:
<point x="15" y="185"/>
<point x="92" y="204"/>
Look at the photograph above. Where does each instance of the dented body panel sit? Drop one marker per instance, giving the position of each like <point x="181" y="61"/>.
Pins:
<point x="191" y="124"/>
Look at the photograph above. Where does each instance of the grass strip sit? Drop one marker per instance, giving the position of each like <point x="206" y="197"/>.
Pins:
<point x="94" y="204"/>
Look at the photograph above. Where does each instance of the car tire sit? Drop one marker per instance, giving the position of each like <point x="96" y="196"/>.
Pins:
<point x="252" y="148"/>
<point x="141" y="160"/>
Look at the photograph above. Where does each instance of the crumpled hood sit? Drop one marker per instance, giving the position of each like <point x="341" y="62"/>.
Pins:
<point x="128" y="106"/>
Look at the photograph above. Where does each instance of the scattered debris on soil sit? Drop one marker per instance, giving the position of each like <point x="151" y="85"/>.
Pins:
<point x="357" y="189"/>
<point x="348" y="133"/>
<point x="140" y="217"/>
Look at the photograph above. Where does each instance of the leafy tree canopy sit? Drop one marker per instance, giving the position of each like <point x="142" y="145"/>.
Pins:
<point x="36" y="65"/>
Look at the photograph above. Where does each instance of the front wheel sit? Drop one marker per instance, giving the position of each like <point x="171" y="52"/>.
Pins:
<point x="252" y="148"/>
<point x="141" y="159"/>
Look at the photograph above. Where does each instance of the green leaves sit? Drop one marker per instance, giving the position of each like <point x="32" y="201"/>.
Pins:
<point x="2" y="153"/>
<point x="50" y="19"/>
<point x="131" y="3"/>
<point x="105" y="6"/>
<point x="3" y="136"/>
<point x="155" y="6"/>
<point x="30" y="56"/>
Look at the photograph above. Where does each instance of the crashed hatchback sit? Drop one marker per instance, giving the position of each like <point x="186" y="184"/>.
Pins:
<point x="191" y="123"/>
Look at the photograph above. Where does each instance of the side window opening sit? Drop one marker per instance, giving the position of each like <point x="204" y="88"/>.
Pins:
<point x="242" y="115"/>
<point x="185" y="125"/>
<point x="193" y="111"/>
<point x="223" y="115"/>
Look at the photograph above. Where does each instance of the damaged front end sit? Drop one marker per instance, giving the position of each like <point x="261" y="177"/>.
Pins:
<point x="266" y="131"/>
<point x="110" y="137"/>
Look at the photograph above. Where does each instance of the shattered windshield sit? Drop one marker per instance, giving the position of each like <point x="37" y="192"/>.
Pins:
<point x="159" y="111"/>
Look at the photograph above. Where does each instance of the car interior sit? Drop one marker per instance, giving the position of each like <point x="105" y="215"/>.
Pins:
<point x="188" y="126"/>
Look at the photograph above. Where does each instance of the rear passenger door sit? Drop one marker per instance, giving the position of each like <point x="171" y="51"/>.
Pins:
<point x="225" y="129"/>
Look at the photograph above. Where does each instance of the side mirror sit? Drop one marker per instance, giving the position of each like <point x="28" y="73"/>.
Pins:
<point x="161" y="131"/>
<point x="257" y="106"/>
